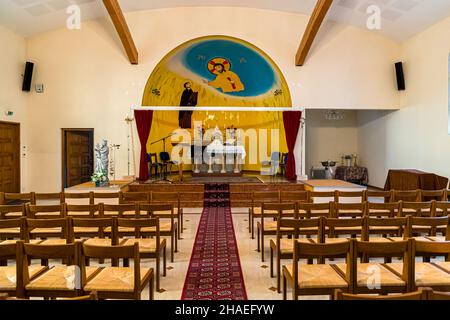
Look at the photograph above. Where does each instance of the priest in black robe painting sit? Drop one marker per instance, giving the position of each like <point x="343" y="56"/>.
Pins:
<point x="188" y="99"/>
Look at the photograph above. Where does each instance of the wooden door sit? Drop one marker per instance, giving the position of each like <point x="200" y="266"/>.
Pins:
<point x="9" y="157"/>
<point x="78" y="156"/>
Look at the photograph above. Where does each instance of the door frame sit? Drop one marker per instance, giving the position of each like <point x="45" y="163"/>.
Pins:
<point x="19" y="160"/>
<point x="63" y="149"/>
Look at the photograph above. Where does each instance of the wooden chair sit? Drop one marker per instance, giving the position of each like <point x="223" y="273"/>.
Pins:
<point x="92" y="296"/>
<point x="417" y="295"/>
<point x="117" y="282"/>
<point x="430" y="195"/>
<point x="10" y="274"/>
<point x="12" y="229"/>
<point x="350" y="196"/>
<point x="258" y="198"/>
<point x="95" y="230"/>
<point x="436" y="295"/>
<point x="379" y="196"/>
<point x="120" y="210"/>
<point x="315" y="210"/>
<point x="16" y="198"/>
<point x="61" y="280"/>
<point x="83" y="210"/>
<point x="322" y="196"/>
<point x="149" y="248"/>
<point x="406" y="195"/>
<point x="170" y="198"/>
<point x="383" y="210"/>
<point x="106" y="197"/>
<point x="12" y="211"/>
<point x="134" y="197"/>
<point x="417" y="209"/>
<point x="374" y="277"/>
<point x="167" y="229"/>
<point x="79" y="197"/>
<point x="334" y="227"/>
<point x="59" y="230"/>
<point x="435" y="275"/>
<point x="284" y="248"/>
<point x="293" y="196"/>
<point x="46" y="212"/>
<point x="349" y="210"/>
<point x="48" y="198"/>
<point x="318" y="279"/>
<point x="274" y="211"/>
<point x="385" y="227"/>
<point x="425" y="228"/>
<point x="441" y="208"/>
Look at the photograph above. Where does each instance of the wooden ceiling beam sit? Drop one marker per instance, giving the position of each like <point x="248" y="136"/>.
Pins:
<point x="118" y="19"/>
<point x="316" y="20"/>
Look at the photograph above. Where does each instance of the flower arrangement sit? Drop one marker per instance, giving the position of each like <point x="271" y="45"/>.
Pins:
<point x="98" y="178"/>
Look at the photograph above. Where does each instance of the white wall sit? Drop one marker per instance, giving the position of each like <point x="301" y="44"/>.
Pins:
<point x="12" y="65"/>
<point x="329" y="140"/>
<point x="90" y="83"/>
<point x="417" y="135"/>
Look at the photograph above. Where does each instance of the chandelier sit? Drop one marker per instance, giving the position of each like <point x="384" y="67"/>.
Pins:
<point x="334" y="115"/>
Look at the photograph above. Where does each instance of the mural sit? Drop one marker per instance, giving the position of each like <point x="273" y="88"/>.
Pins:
<point x="216" y="71"/>
<point x="449" y="94"/>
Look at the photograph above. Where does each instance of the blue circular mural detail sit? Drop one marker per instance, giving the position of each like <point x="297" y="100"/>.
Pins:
<point x="254" y="71"/>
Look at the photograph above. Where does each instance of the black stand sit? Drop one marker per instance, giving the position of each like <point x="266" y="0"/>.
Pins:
<point x="163" y="173"/>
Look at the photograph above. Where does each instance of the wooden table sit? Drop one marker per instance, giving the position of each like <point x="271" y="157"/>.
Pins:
<point x="332" y="185"/>
<point x="413" y="180"/>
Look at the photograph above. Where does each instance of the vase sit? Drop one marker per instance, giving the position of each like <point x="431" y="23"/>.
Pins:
<point x="348" y="162"/>
<point x="98" y="184"/>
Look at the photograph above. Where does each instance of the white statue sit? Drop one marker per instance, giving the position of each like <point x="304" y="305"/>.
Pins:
<point x="102" y="155"/>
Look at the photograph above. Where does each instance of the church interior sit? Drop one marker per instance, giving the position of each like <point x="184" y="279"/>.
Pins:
<point x="224" y="150"/>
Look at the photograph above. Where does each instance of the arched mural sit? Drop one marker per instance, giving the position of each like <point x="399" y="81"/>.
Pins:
<point x="217" y="71"/>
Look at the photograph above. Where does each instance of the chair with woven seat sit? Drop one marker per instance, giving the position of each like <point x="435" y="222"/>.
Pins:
<point x="83" y="210"/>
<point x="48" y="198"/>
<point x="434" y="275"/>
<point x="417" y="209"/>
<point x="350" y="196"/>
<point x="12" y="211"/>
<point x="315" y="210"/>
<point x="117" y="282"/>
<point x="430" y="195"/>
<point x="58" y="230"/>
<point x="425" y="228"/>
<point x="46" y="211"/>
<point x="16" y="198"/>
<point x="130" y="210"/>
<point x="134" y="197"/>
<point x="318" y="279"/>
<point x="379" y="196"/>
<point x="78" y="197"/>
<point x="166" y="228"/>
<point x="382" y="278"/>
<point x="95" y="230"/>
<point x="349" y="210"/>
<point x="417" y="295"/>
<point x="12" y="229"/>
<point x="406" y="195"/>
<point x="9" y="274"/>
<point x="384" y="227"/>
<point x="170" y="198"/>
<point x="106" y="197"/>
<point x="436" y="295"/>
<point x="149" y="248"/>
<point x="284" y="248"/>
<point x="60" y="280"/>
<point x="334" y="227"/>
<point x="322" y="196"/>
<point x="294" y="196"/>
<point x="441" y="208"/>
<point x="273" y="211"/>
<point x="258" y="198"/>
<point x="383" y="210"/>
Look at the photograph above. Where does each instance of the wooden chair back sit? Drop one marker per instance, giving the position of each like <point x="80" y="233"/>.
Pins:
<point x="46" y="212"/>
<point x="431" y="248"/>
<point x="298" y="226"/>
<point x="88" y="210"/>
<point x="8" y="251"/>
<point x="406" y="195"/>
<point x="385" y="210"/>
<point x="106" y="197"/>
<point x="399" y="223"/>
<point x="48" y="198"/>
<point x="16" y="198"/>
<point x="100" y="223"/>
<point x="350" y="196"/>
<point x="134" y="197"/>
<point x="279" y="209"/>
<point x="258" y="198"/>
<point x="12" y="211"/>
<point x="8" y="226"/>
<point x="156" y="210"/>
<point x="430" y="224"/>
<point x="46" y="228"/>
<point x="315" y="210"/>
<point x="333" y="224"/>
<point x="294" y="196"/>
<point x="441" y="208"/>
<point x="385" y="195"/>
<point x="429" y="195"/>
<point x="139" y="226"/>
<point x="417" y="209"/>
<point x="353" y="210"/>
<point x="118" y="210"/>
<point x="79" y="197"/>
<point x="317" y="195"/>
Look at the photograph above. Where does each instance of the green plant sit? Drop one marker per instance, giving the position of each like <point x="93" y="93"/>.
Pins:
<point x="98" y="177"/>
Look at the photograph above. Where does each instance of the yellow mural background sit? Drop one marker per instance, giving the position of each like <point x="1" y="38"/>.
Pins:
<point x="164" y="88"/>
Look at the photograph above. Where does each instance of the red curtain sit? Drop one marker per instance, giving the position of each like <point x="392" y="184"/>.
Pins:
<point x="144" y="124"/>
<point x="291" y="121"/>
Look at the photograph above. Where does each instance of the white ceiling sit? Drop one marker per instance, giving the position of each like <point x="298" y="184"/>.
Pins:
<point x="401" y="19"/>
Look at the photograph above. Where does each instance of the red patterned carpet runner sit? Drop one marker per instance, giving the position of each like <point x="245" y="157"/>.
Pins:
<point x="215" y="270"/>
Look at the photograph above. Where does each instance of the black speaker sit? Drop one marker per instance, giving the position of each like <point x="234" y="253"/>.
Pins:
<point x="400" y="76"/>
<point x="27" y="76"/>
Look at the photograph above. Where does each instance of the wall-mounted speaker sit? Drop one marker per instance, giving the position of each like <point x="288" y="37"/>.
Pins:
<point x="27" y="76"/>
<point x="400" y="76"/>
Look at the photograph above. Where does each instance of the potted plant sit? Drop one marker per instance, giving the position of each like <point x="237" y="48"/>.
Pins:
<point x="99" y="178"/>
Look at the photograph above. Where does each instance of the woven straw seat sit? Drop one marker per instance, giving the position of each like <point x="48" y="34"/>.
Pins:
<point x="98" y="242"/>
<point x="78" y="214"/>
<point x="366" y="271"/>
<point x="287" y="245"/>
<point x="52" y="242"/>
<point x="56" y="230"/>
<point x="8" y="276"/>
<point x="402" y="239"/>
<point x="444" y="265"/>
<point x="390" y="228"/>
<point x="167" y="212"/>
<point x="348" y="228"/>
<point x="317" y="276"/>
<point x="10" y="231"/>
<point x="426" y="275"/>
<point x="376" y="239"/>
<point x="47" y="214"/>
<point x="145" y="245"/>
<point x="58" y="278"/>
<point x="258" y="211"/>
<point x="85" y="229"/>
<point x="437" y="239"/>
<point x="272" y="226"/>
<point x="13" y="215"/>
<point x="116" y="279"/>
<point x="33" y="241"/>
<point x="113" y="214"/>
